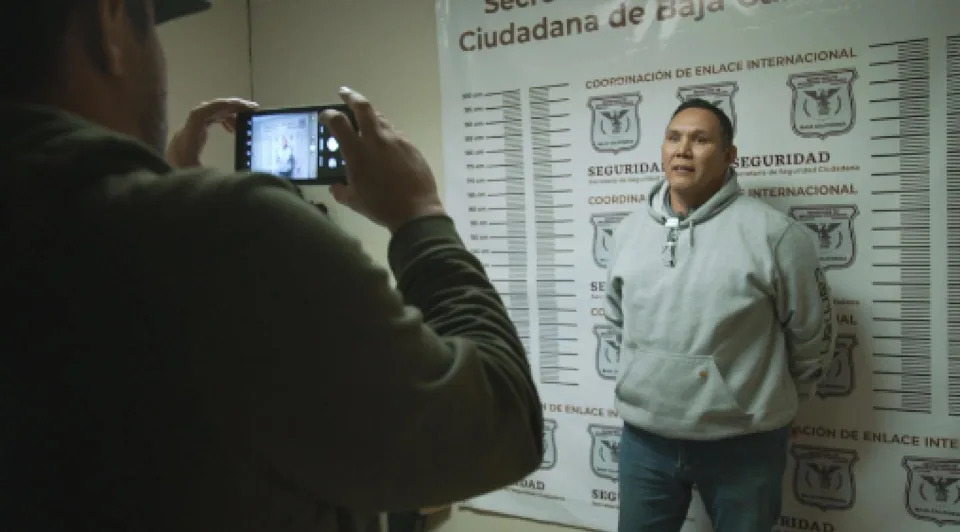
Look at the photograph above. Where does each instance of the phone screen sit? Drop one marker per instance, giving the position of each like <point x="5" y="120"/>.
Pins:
<point x="290" y="143"/>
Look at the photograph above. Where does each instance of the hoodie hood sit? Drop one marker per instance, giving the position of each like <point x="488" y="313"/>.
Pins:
<point x="44" y="140"/>
<point x="656" y="202"/>
<point x="657" y="207"/>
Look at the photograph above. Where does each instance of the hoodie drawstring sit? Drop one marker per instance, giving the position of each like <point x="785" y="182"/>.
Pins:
<point x="670" y="246"/>
<point x="673" y="235"/>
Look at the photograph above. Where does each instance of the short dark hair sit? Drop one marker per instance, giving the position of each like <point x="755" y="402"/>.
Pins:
<point x="32" y="35"/>
<point x="726" y="126"/>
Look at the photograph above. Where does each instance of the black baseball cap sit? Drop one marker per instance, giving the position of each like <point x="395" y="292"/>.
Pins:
<point x="167" y="10"/>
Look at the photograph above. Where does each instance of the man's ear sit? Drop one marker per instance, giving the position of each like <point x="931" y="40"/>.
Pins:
<point x="731" y="154"/>
<point x="112" y="41"/>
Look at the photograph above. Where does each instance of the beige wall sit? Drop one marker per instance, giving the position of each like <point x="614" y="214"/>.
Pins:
<point x="303" y="51"/>
<point x="207" y="57"/>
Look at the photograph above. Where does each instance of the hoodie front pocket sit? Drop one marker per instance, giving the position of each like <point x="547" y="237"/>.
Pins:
<point x="678" y="386"/>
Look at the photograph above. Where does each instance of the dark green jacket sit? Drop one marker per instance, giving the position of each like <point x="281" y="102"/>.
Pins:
<point x="195" y="351"/>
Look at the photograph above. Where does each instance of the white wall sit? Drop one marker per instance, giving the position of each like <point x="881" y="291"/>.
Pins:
<point x="208" y="57"/>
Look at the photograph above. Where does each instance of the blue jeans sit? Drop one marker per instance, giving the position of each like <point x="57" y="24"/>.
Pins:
<point x="739" y="479"/>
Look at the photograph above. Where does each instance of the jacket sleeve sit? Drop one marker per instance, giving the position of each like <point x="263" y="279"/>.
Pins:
<point x="366" y="396"/>
<point x="804" y="308"/>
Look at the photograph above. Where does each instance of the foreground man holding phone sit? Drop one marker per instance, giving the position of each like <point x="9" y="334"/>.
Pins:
<point x="195" y="351"/>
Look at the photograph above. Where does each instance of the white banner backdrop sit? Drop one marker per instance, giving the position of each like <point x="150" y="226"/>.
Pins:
<point x="847" y="116"/>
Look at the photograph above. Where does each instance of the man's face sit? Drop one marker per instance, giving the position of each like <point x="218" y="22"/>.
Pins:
<point x="694" y="155"/>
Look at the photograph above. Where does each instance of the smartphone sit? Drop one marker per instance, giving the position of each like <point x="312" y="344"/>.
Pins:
<point x="291" y="143"/>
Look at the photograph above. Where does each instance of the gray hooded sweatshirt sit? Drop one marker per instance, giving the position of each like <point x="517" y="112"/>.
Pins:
<point x="725" y="316"/>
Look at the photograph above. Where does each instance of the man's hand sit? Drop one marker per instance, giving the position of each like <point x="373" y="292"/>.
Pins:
<point x="188" y="143"/>
<point x="388" y="180"/>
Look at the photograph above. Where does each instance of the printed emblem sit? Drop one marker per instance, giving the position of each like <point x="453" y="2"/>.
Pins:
<point x="605" y="451"/>
<point x="549" y="444"/>
<point x="823" y="478"/>
<point x="608" y="351"/>
<point x="719" y="94"/>
<point x="823" y="103"/>
<point x="933" y="489"/>
<point x="615" y="123"/>
<point x="603" y="227"/>
<point x="833" y="226"/>
<point x="838" y="381"/>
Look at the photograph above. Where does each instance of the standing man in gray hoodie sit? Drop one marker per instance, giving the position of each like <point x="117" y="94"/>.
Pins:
<point x="726" y="326"/>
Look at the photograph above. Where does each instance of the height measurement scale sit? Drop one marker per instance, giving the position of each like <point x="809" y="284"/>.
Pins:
<point x="555" y="213"/>
<point x="953" y="223"/>
<point x="496" y="196"/>
<point x="899" y="109"/>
